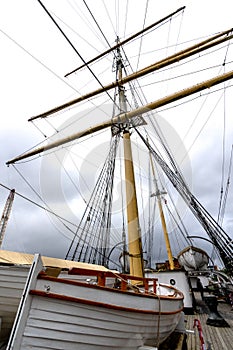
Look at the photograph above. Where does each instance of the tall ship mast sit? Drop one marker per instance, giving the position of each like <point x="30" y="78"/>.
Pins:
<point x="88" y="300"/>
<point x="133" y="227"/>
<point x="220" y="238"/>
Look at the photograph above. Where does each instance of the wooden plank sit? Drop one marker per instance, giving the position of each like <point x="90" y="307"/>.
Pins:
<point x="215" y="337"/>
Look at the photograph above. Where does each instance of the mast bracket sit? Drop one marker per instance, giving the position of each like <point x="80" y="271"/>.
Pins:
<point x="134" y="122"/>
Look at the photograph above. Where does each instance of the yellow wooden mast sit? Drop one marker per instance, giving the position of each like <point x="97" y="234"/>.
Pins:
<point x="133" y="226"/>
<point x="162" y="217"/>
<point x="134" y="233"/>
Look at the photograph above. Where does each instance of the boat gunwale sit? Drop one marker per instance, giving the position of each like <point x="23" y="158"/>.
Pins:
<point x="178" y="295"/>
<point x="39" y="293"/>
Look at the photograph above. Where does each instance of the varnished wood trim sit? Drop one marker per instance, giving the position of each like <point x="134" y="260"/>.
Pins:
<point x="99" y="304"/>
<point x="109" y="289"/>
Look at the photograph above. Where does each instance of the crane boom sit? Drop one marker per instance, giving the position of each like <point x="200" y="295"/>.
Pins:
<point x="6" y="214"/>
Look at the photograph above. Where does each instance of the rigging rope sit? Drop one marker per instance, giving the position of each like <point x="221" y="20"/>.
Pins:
<point x="226" y="189"/>
<point x="40" y="206"/>
<point x="92" y="240"/>
<point x="220" y="211"/>
<point x="126" y="13"/>
<point x="94" y="19"/>
<point x="179" y="223"/>
<point x="109" y="17"/>
<point x="141" y="37"/>
<point x="49" y="209"/>
<point x="82" y="16"/>
<point x="223" y="157"/>
<point x="73" y="47"/>
<point x="51" y="71"/>
<point x="61" y="219"/>
<point x="69" y="177"/>
<point x="219" y="237"/>
<point x="38" y="61"/>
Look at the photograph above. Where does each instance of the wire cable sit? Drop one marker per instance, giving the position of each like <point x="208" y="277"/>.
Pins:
<point x="76" y="51"/>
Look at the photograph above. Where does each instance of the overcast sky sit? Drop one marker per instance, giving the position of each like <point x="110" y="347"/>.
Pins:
<point x="34" y="59"/>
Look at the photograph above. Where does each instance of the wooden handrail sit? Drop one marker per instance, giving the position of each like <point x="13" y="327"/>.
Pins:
<point x="123" y="278"/>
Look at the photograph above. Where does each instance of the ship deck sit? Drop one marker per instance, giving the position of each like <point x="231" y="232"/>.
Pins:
<point x="215" y="338"/>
